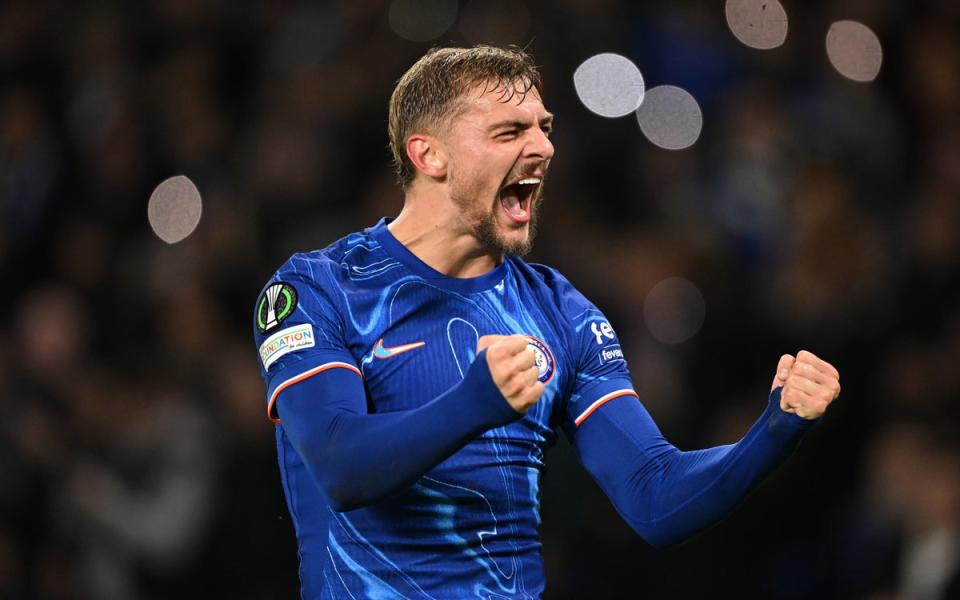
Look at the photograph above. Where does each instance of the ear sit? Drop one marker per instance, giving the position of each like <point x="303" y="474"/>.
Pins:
<point x="427" y="155"/>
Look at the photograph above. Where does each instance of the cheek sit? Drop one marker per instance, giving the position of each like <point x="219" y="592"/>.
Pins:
<point x="479" y="183"/>
<point x="476" y="171"/>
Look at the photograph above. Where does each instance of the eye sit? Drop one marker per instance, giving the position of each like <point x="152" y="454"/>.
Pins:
<point x="509" y="134"/>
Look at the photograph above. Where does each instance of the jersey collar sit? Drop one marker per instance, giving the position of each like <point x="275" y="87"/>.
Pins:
<point x="465" y="285"/>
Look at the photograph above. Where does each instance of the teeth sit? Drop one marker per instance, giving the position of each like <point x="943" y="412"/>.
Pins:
<point x="530" y="180"/>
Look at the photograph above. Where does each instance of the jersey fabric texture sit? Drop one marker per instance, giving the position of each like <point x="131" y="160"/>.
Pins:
<point x="469" y="527"/>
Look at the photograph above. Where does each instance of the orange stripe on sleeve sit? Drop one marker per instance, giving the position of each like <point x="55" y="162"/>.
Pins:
<point x="303" y="376"/>
<point x="600" y="402"/>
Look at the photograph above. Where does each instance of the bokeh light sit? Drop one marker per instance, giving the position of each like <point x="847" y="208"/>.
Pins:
<point x="760" y="24"/>
<point x="670" y="117"/>
<point x="674" y="310"/>
<point x="174" y="209"/>
<point x="854" y="50"/>
<point x="609" y="85"/>
<point x="421" y="20"/>
<point x="496" y="22"/>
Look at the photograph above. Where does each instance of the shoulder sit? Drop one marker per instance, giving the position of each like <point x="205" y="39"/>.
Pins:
<point x="311" y="281"/>
<point x="564" y="295"/>
<point x="332" y="265"/>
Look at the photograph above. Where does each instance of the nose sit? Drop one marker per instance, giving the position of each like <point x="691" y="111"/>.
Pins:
<point x="540" y="145"/>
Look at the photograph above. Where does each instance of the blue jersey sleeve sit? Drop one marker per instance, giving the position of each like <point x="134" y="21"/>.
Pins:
<point x="358" y="458"/>
<point x="668" y="495"/>
<point x="601" y="373"/>
<point x="297" y="327"/>
<point x="665" y="494"/>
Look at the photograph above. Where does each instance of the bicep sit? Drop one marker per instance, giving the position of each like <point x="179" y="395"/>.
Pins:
<point x="314" y="413"/>
<point x="307" y="407"/>
<point x="619" y="445"/>
<point x="667" y="495"/>
<point x="626" y="454"/>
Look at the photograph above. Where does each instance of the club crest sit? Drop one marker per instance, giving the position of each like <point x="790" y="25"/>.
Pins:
<point x="546" y="365"/>
<point x="276" y="304"/>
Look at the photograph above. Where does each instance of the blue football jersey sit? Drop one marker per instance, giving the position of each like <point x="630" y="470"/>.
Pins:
<point x="469" y="527"/>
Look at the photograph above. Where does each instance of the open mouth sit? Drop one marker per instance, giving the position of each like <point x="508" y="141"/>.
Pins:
<point x="517" y="198"/>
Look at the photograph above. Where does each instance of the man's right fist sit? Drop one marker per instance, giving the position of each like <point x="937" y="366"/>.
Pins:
<point x="513" y="368"/>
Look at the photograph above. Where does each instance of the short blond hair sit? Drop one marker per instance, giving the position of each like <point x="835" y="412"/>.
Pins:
<point x="426" y="95"/>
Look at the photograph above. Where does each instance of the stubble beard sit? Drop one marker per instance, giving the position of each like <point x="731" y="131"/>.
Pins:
<point x="483" y="223"/>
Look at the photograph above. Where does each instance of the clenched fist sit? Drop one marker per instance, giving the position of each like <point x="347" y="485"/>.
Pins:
<point x="513" y="367"/>
<point x="809" y="384"/>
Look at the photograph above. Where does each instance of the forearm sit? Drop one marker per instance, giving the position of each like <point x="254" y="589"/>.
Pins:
<point x="667" y="495"/>
<point x="358" y="459"/>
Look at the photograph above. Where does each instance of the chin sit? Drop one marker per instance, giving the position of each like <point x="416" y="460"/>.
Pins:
<point x="516" y="241"/>
<point x="498" y="236"/>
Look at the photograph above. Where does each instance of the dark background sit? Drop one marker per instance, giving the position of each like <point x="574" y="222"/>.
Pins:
<point x="813" y="213"/>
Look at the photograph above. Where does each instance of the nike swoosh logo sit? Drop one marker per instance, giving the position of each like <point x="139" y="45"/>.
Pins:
<point x="380" y="351"/>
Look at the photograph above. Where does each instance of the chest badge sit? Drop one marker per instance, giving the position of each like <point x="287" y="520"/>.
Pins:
<point x="381" y="351"/>
<point x="546" y="365"/>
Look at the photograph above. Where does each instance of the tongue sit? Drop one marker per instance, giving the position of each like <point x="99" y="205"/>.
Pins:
<point x="510" y="198"/>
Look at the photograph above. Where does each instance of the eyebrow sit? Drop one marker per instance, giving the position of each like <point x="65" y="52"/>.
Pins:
<point x="515" y="123"/>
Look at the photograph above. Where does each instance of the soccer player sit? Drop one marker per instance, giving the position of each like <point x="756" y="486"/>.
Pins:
<point x="417" y="370"/>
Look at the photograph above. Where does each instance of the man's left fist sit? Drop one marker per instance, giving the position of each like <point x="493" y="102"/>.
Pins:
<point x="809" y="384"/>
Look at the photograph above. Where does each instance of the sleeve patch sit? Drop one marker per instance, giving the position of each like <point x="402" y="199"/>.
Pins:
<point x="286" y="341"/>
<point x="610" y="353"/>
<point x="602" y="331"/>
<point x="276" y="304"/>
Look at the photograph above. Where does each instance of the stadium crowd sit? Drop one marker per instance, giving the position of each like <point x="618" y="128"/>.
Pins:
<point x="814" y="212"/>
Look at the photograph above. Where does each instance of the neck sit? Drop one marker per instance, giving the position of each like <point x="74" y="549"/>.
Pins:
<point x="431" y="226"/>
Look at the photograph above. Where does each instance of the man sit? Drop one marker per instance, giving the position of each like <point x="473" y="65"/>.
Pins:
<point x="418" y="369"/>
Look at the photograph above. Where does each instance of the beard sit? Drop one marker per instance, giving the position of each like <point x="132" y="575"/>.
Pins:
<point x="482" y="222"/>
<point x="485" y="230"/>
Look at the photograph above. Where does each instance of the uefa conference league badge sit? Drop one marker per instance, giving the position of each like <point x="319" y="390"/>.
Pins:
<point x="276" y="304"/>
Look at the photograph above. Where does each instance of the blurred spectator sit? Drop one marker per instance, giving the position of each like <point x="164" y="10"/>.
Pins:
<point x="902" y="537"/>
<point x="137" y="497"/>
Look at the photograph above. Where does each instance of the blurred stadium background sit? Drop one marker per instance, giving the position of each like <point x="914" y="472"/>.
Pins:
<point x="813" y="211"/>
